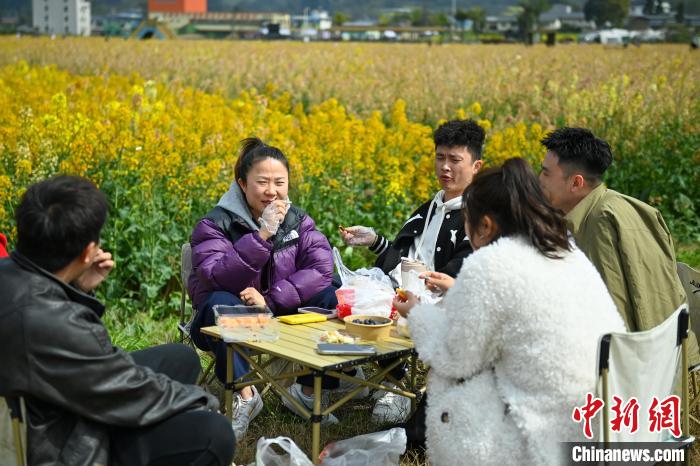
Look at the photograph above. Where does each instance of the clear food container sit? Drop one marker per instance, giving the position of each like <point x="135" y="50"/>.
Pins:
<point x="246" y="323"/>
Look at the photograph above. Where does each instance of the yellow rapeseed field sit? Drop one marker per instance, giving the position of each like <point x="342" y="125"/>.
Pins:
<point x="156" y="125"/>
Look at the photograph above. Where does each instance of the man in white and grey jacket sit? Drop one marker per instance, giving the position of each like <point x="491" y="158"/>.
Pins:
<point x="433" y="234"/>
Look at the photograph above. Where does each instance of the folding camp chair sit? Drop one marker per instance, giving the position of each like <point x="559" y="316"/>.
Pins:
<point x="13" y="453"/>
<point x="645" y="365"/>
<point x="187" y="311"/>
<point x="690" y="278"/>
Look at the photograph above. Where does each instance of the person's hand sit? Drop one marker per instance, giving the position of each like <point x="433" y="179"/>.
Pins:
<point x="101" y="265"/>
<point x="252" y="297"/>
<point x="358" y="235"/>
<point x="404" y="306"/>
<point x="437" y="282"/>
<point x="272" y="217"/>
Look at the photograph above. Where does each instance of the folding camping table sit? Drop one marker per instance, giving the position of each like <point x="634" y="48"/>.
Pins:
<point x="297" y="344"/>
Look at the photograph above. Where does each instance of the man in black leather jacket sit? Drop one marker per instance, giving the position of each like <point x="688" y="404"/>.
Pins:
<point x="88" y="402"/>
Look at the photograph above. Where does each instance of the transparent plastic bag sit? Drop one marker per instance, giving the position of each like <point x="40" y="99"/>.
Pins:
<point x="279" y="451"/>
<point x="373" y="291"/>
<point x="347" y="276"/>
<point x="377" y="449"/>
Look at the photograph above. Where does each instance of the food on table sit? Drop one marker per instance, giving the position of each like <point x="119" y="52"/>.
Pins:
<point x="334" y="336"/>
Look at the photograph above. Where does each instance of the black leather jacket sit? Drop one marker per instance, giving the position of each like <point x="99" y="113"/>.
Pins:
<point x="56" y="353"/>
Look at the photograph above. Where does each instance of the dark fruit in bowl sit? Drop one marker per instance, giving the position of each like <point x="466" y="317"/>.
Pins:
<point x="366" y="322"/>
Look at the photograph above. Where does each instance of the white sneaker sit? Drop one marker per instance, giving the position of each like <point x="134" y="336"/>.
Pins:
<point x="390" y="407"/>
<point x="296" y="391"/>
<point x="245" y="411"/>
<point x="347" y="386"/>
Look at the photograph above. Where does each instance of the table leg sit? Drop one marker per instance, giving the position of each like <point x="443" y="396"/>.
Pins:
<point x="414" y="364"/>
<point x="228" y="390"/>
<point x="316" y="418"/>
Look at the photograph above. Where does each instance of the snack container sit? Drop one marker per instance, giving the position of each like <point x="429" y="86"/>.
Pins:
<point x="368" y="332"/>
<point x="246" y="323"/>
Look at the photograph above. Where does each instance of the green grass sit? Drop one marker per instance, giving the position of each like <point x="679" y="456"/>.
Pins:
<point x="276" y="420"/>
<point x="690" y="254"/>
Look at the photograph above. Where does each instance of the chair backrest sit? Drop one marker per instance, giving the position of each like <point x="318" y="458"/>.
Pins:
<point x="185" y="270"/>
<point x="185" y="264"/>
<point x="643" y="365"/>
<point x="691" y="284"/>
<point x="13" y="432"/>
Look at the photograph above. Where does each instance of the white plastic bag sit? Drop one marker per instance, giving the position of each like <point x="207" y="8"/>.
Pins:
<point x="279" y="451"/>
<point x="377" y="449"/>
<point x="373" y="290"/>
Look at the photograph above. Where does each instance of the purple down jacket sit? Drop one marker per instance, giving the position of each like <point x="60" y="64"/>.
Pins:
<point x="288" y="269"/>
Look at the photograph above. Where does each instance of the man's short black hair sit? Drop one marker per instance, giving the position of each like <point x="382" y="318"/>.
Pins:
<point x="461" y="133"/>
<point x="57" y="218"/>
<point x="580" y="149"/>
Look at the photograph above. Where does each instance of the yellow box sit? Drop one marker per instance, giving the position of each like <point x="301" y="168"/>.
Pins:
<point x="294" y="319"/>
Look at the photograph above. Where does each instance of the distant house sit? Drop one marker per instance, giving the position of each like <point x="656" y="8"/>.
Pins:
<point x="318" y="20"/>
<point x="118" y="24"/>
<point x="240" y="25"/>
<point x="373" y="32"/>
<point x="70" y="17"/>
<point x="502" y="24"/>
<point x="563" y="16"/>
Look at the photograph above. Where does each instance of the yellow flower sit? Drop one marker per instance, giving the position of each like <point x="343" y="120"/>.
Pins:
<point x="475" y="109"/>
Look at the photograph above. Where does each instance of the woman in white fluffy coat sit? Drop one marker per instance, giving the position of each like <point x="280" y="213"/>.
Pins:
<point x="512" y="347"/>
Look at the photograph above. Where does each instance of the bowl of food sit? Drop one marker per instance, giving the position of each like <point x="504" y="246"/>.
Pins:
<point x="368" y="327"/>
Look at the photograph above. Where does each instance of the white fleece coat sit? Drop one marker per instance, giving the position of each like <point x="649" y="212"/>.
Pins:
<point x="512" y="350"/>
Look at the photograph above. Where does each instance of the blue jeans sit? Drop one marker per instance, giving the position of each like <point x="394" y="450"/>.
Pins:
<point x="205" y="318"/>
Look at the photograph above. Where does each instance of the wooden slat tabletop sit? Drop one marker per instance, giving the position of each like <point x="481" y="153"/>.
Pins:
<point x="298" y="343"/>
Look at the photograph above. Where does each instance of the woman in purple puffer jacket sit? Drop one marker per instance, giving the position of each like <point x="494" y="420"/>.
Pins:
<point x="279" y="260"/>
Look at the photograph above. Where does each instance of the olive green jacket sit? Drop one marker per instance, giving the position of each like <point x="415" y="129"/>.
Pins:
<point x="631" y="246"/>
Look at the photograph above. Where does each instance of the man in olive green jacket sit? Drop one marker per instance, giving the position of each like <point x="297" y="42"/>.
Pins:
<point x="626" y="239"/>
